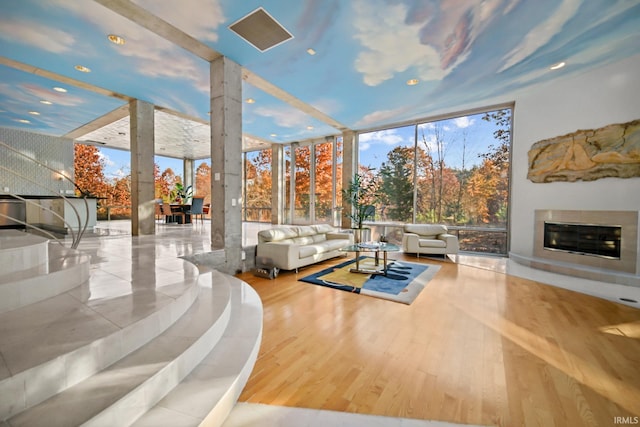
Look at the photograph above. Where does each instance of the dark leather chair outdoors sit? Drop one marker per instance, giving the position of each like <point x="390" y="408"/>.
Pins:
<point x="197" y="205"/>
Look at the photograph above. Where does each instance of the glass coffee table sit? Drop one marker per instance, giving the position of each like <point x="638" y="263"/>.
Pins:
<point x="376" y="248"/>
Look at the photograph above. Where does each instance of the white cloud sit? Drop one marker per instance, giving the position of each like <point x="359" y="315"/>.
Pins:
<point x="200" y="18"/>
<point x="154" y="55"/>
<point x="363" y="146"/>
<point x="120" y="173"/>
<point x="542" y="33"/>
<point x="106" y="159"/>
<point x="428" y="126"/>
<point x="390" y="45"/>
<point x="429" y="140"/>
<point x="287" y="117"/>
<point x="327" y="105"/>
<point x="380" y="116"/>
<point x="463" y="122"/>
<point x="37" y="35"/>
<point x="41" y="93"/>
<point x="387" y="137"/>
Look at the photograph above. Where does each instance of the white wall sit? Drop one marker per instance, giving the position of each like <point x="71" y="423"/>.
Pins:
<point x="588" y="101"/>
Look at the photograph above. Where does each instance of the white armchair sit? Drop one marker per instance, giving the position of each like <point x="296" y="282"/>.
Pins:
<point x="428" y="239"/>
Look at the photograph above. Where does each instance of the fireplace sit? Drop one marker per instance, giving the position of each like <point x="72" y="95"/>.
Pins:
<point x="604" y="240"/>
<point x="583" y="239"/>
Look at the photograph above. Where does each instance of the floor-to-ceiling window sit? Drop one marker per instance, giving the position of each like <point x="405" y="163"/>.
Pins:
<point x="323" y="181"/>
<point x="387" y="156"/>
<point x="453" y="171"/>
<point x="202" y="179"/>
<point x="313" y="170"/>
<point x="106" y="173"/>
<point x="257" y="186"/>
<point x="302" y="185"/>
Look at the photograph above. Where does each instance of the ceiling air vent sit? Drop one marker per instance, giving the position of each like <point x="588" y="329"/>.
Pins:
<point x="260" y="30"/>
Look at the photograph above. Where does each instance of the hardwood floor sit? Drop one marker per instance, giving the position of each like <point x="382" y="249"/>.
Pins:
<point x="476" y="347"/>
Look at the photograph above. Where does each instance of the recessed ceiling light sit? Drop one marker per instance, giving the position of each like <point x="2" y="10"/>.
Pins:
<point x="46" y="102"/>
<point x="273" y="134"/>
<point x="413" y="82"/>
<point x="23" y="121"/>
<point x="557" y="66"/>
<point x="309" y="127"/>
<point x="311" y="51"/>
<point x="34" y="113"/>
<point x="250" y="101"/>
<point x="82" y="69"/>
<point x="116" y="39"/>
<point x="59" y="89"/>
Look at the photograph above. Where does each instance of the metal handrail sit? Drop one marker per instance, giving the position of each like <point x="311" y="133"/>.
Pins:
<point x="75" y="237"/>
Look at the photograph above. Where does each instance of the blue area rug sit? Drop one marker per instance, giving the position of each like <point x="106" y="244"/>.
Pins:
<point x="403" y="282"/>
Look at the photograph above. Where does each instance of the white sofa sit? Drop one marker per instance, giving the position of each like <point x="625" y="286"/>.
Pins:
<point x="428" y="239"/>
<point x="290" y="247"/>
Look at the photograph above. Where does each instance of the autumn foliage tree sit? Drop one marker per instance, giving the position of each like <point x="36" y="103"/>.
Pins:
<point x="324" y="180"/>
<point x="88" y="168"/>
<point x="258" y="185"/>
<point x="203" y="182"/>
<point x="120" y="196"/>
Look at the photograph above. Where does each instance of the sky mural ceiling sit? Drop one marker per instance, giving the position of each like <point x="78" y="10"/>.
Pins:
<point x="463" y="53"/>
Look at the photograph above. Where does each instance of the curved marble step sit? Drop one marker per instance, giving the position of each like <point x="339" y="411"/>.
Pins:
<point x="121" y="393"/>
<point x="21" y="251"/>
<point x="60" y="270"/>
<point x="209" y="393"/>
<point x="81" y="332"/>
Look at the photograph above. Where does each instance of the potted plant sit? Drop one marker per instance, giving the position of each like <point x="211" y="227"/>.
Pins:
<point x="180" y="194"/>
<point x="361" y="194"/>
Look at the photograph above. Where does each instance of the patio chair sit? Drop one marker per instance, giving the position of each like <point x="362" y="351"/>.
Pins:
<point x="197" y="208"/>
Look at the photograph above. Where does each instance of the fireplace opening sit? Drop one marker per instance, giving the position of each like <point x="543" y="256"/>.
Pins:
<point x="584" y="239"/>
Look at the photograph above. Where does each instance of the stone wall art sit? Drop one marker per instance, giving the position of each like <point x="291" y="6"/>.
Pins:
<point x="587" y="155"/>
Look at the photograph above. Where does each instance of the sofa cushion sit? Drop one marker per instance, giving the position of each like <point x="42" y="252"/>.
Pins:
<point x="323" y="228"/>
<point x="320" y="248"/>
<point x="304" y="240"/>
<point x="305" y="230"/>
<point x="319" y="237"/>
<point x="432" y="243"/>
<point x="425" y="229"/>
<point x="277" y="234"/>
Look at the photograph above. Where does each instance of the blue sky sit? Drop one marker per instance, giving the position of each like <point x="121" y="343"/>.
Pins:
<point x="374" y="146"/>
<point x="118" y="163"/>
<point x="477" y="133"/>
